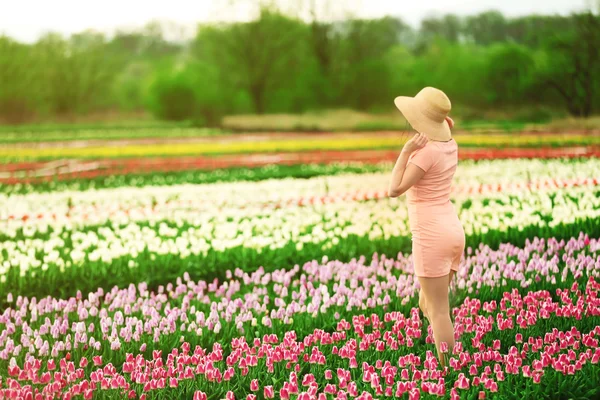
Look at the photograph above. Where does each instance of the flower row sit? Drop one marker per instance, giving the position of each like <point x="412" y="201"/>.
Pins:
<point x="252" y="144"/>
<point x="41" y="211"/>
<point x="196" y="232"/>
<point x="528" y="317"/>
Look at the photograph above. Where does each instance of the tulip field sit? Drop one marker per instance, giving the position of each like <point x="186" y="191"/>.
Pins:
<point x="295" y="281"/>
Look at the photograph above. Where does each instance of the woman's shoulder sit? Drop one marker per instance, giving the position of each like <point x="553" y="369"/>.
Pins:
<point x="450" y="145"/>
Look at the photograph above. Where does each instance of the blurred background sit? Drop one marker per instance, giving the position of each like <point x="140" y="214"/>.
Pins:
<point x="299" y="65"/>
<point x="93" y="89"/>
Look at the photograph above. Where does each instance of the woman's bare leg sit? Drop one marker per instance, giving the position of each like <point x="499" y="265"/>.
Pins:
<point x="435" y="293"/>
<point x="423" y="303"/>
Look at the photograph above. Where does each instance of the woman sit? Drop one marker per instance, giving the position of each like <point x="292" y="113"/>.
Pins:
<point x="424" y="170"/>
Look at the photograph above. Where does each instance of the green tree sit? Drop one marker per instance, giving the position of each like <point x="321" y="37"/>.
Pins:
<point x="508" y="73"/>
<point x="449" y="27"/>
<point x="139" y="54"/>
<point x="533" y="30"/>
<point x="572" y="66"/>
<point x="486" y="28"/>
<point x="17" y="95"/>
<point x="77" y="74"/>
<point x="361" y="71"/>
<point x="258" y="56"/>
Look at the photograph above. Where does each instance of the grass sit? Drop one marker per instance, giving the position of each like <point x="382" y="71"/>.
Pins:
<point x="102" y="131"/>
<point x="319" y="121"/>
<point x="583" y="124"/>
<point x="357" y="121"/>
<point x="343" y="120"/>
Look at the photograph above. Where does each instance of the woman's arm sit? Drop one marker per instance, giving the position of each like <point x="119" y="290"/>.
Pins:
<point x="407" y="175"/>
<point x="403" y="176"/>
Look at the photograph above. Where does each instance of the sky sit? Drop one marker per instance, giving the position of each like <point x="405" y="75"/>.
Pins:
<point x="27" y="20"/>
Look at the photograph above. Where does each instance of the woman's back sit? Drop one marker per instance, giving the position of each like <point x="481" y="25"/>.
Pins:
<point x="439" y="161"/>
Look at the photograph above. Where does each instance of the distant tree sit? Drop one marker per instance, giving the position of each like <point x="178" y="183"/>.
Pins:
<point x="572" y="66"/>
<point x="457" y="68"/>
<point x="486" y="28"/>
<point x="361" y="70"/>
<point x="18" y="97"/>
<point x="257" y="56"/>
<point x="508" y="73"/>
<point x="77" y="73"/>
<point x="449" y="27"/>
<point x="139" y="54"/>
<point x="533" y="30"/>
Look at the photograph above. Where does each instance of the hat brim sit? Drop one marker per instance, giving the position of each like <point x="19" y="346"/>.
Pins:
<point x="421" y="123"/>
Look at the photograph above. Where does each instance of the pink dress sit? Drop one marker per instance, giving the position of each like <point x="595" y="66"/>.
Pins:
<point x="438" y="238"/>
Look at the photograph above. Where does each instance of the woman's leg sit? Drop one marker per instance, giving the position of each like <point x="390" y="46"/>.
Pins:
<point x="423" y="303"/>
<point x="435" y="293"/>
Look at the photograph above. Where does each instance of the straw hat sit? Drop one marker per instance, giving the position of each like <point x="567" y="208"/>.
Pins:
<point x="427" y="113"/>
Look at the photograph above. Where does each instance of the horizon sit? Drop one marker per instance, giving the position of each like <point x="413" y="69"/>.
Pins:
<point x="180" y="23"/>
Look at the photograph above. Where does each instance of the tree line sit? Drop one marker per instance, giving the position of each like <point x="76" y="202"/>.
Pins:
<point x="279" y="63"/>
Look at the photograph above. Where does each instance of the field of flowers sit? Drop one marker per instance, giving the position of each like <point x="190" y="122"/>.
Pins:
<point x="262" y="283"/>
<point x="269" y="143"/>
<point x="140" y="171"/>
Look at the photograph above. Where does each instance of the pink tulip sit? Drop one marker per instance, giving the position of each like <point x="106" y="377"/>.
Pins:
<point x="284" y="394"/>
<point x="330" y="389"/>
<point x="269" y="393"/>
<point x="308" y="379"/>
<point x="414" y="394"/>
<point x="462" y="382"/>
<point x="198" y="395"/>
<point x="454" y="394"/>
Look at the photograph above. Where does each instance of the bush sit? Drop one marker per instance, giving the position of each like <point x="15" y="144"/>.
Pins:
<point x="189" y="93"/>
<point x="172" y="97"/>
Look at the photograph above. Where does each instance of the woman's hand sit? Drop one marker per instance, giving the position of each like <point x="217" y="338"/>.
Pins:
<point x="417" y="142"/>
